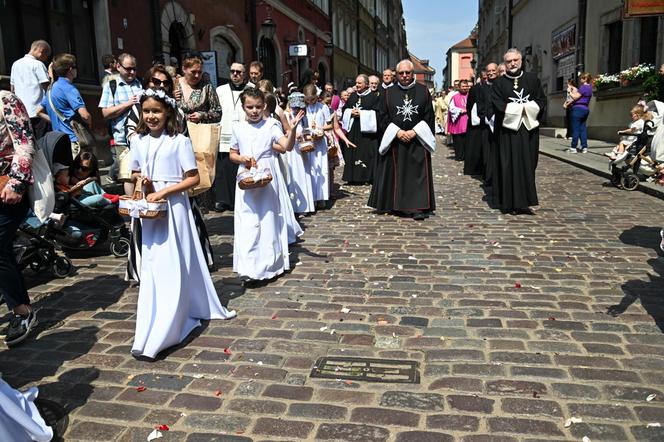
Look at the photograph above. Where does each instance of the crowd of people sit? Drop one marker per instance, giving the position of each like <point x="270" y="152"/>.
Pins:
<point x="492" y="127"/>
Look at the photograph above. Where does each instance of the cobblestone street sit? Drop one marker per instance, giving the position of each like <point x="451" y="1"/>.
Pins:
<point x="506" y="316"/>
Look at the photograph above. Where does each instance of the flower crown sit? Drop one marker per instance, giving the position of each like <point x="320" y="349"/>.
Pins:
<point x="161" y="95"/>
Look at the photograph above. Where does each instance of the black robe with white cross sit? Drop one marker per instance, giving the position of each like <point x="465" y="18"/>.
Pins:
<point x="404" y="180"/>
<point x="517" y="152"/>
<point x="479" y="135"/>
<point x="360" y="161"/>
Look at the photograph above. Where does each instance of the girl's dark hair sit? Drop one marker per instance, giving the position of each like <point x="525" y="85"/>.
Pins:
<point x="158" y="68"/>
<point x="270" y="103"/>
<point x="172" y="127"/>
<point x="85" y="156"/>
<point x="325" y="94"/>
<point x="253" y="93"/>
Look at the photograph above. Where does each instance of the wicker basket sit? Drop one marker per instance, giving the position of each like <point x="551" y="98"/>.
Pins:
<point x="137" y="202"/>
<point x="306" y="141"/>
<point x="332" y="152"/>
<point x="246" y="180"/>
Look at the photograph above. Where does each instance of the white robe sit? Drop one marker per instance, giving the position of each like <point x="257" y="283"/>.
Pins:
<point x="20" y="420"/>
<point x="319" y="170"/>
<point x="300" y="183"/>
<point x="260" y="243"/>
<point x="176" y="288"/>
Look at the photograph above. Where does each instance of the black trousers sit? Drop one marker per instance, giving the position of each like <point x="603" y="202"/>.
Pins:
<point x="459" y="143"/>
<point x="12" y="285"/>
<point x="225" y="180"/>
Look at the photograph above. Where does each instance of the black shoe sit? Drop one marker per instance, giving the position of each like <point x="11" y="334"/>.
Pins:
<point x="220" y="207"/>
<point x="19" y="328"/>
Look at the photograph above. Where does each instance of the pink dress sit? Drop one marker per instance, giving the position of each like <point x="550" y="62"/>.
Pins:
<point x="460" y="125"/>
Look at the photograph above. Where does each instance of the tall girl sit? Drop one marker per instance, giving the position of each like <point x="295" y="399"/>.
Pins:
<point x="176" y="289"/>
<point x="317" y="114"/>
<point x="300" y="184"/>
<point x="260" y="245"/>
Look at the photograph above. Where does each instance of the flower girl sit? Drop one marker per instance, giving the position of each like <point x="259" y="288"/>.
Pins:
<point x="176" y="289"/>
<point x="317" y="114"/>
<point x="260" y="245"/>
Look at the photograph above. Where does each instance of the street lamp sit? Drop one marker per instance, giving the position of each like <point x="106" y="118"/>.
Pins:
<point x="268" y="27"/>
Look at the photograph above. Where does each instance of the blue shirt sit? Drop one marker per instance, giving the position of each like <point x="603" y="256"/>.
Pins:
<point x="123" y="93"/>
<point x="67" y="100"/>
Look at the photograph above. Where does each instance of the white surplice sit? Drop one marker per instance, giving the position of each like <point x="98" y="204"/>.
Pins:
<point x="260" y="244"/>
<point x="300" y="181"/>
<point x="176" y="289"/>
<point x="316" y="116"/>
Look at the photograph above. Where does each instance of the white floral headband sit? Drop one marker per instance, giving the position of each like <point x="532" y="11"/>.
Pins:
<point x="159" y="93"/>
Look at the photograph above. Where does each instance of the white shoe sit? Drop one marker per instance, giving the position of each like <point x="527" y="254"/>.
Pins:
<point x="571" y="150"/>
<point x="661" y="244"/>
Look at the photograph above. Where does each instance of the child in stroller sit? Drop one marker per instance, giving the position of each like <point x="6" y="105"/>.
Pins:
<point x="629" y="135"/>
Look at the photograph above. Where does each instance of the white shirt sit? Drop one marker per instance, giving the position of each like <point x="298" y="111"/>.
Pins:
<point x="27" y="77"/>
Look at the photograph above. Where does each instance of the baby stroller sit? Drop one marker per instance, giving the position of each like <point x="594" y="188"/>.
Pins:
<point x="35" y="249"/>
<point x="636" y="162"/>
<point x="84" y="226"/>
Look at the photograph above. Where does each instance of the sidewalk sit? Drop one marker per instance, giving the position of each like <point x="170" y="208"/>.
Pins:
<point x="594" y="161"/>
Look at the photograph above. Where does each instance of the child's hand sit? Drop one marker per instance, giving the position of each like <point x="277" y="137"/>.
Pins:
<point x="297" y="118"/>
<point x="155" y="196"/>
<point x="247" y="161"/>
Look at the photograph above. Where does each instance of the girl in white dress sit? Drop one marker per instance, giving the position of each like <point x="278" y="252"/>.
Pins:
<point x="260" y="245"/>
<point x="317" y="114"/>
<point x="300" y="185"/>
<point x="176" y="289"/>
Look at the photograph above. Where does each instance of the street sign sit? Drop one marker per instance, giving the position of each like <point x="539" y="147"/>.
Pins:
<point x="297" y="50"/>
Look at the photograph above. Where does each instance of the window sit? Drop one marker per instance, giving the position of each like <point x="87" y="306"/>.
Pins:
<point x="66" y="24"/>
<point x="564" y="70"/>
<point x="648" y="44"/>
<point x="614" y="32"/>
<point x="323" y="5"/>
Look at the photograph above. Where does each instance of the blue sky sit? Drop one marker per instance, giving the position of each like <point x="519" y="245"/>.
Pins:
<point x="432" y="26"/>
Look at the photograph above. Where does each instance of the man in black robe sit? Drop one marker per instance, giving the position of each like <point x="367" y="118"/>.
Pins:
<point x="480" y="130"/>
<point x="361" y="122"/>
<point x="518" y="102"/>
<point x="404" y="178"/>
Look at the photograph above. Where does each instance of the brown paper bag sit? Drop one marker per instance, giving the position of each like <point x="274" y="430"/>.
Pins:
<point x="205" y="139"/>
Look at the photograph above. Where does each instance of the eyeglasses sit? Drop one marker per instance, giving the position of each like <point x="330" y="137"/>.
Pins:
<point x="404" y="72"/>
<point x="157" y="82"/>
<point x="129" y="68"/>
<point x="234" y="71"/>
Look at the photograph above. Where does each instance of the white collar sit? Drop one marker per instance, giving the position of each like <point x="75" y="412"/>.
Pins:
<point x="367" y="92"/>
<point x="387" y="86"/>
<point x="410" y="86"/>
<point x="514" y="77"/>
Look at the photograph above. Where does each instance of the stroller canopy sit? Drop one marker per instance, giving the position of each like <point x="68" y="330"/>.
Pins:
<point x="57" y="148"/>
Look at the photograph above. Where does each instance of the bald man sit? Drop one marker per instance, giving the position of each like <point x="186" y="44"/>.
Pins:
<point x="388" y="78"/>
<point x="403" y="180"/>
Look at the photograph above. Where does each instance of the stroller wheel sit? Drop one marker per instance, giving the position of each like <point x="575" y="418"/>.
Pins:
<point x="120" y="247"/>
<point x="61" y="267"/>
<point x="629" y="181"/>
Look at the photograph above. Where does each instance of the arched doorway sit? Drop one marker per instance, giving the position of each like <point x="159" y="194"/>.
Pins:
<point x="268" y="56"/>
<point x="177" y="41"/>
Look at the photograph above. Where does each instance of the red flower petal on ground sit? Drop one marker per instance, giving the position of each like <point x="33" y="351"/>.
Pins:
<point x="163" y="427"/>
<point x="217" y="392"/>
<point x="140" y="389"/>
<point x="551" y="318"/>
<point x="274" y="316"/>
<point x="517" y="285"/>
<point x="227" y="351"/>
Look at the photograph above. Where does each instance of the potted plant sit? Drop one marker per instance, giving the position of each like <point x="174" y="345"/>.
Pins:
<point x="606" y="81"/>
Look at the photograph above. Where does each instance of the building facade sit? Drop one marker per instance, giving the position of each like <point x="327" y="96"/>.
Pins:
<point x="460" y="61"/>
<point x="493" y="30"/>
<point x="423" y="72"/>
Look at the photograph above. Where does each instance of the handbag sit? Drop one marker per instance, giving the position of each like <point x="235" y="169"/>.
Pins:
<point x="205" y="141"/>
<point x="86" y="139"/>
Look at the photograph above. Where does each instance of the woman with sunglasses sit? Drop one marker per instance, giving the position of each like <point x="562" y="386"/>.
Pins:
<point x="157" y="77"/>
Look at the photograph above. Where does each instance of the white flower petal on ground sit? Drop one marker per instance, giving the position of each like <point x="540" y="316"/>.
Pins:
<point x="651" y="397"/>
<point x="572" y="420"/>
<point x="156" y="434"/>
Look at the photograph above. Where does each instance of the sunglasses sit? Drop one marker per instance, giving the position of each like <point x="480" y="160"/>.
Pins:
<point x="233" y="71"/>
<point x="404" y="72"/>
<point x="129" y="69"/>
<point x="157" y="82"/>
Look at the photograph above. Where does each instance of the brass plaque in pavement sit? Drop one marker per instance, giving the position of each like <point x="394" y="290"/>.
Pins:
<point x="367" y="369"/>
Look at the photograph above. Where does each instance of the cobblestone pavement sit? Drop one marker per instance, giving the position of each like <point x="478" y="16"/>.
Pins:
<point x="507" y="317"/>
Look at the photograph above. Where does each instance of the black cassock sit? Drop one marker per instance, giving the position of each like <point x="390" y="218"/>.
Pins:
<point x="360" y="161"/>
<point x="403" y="179"/>
<point x="478" y="136"/>
<point x="516" y="153"/>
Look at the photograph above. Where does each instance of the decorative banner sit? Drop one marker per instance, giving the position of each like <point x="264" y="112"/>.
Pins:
<point x="563" y="42"/>
<point x="642" y="8"/>
<point x="210" y="65"/>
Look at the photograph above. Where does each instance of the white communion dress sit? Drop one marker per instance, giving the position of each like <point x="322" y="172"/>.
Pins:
<point x="300" y="183"/>
<point x="260" y="244"/>
<point x="20" y="420"/>
<point x="316" y="116"/>
<point x="176" y="289"/>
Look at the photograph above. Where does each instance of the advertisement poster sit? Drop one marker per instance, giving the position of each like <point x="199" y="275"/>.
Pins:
<point x="210" y="66"/>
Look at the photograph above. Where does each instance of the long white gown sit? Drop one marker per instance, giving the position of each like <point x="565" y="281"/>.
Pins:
<point x="176" y="288"/>
<point x="260" y="244"/>
<point x="319" y="113"/>
<point x="300" y="181"/>
<point x="20" y="420"/>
